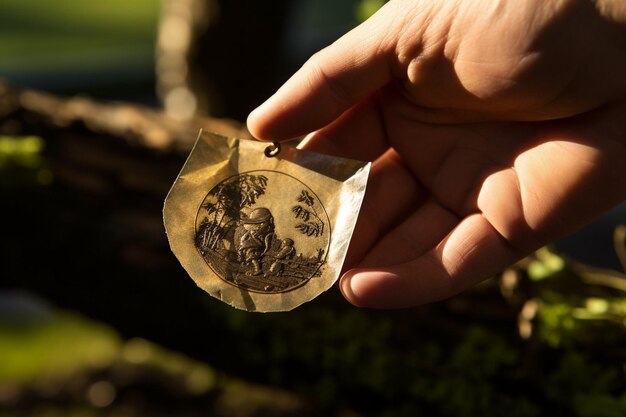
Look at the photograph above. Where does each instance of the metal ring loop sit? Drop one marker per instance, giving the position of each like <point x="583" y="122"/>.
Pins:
<point x="272" y="150"/>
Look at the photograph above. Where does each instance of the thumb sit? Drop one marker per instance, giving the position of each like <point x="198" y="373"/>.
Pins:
<point x="329" y="83"/>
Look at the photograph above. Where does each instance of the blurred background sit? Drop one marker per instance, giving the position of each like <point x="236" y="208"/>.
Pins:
<point x="100" y="103"/>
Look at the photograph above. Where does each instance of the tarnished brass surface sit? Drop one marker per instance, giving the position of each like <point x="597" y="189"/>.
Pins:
<point x="263" y="232"/>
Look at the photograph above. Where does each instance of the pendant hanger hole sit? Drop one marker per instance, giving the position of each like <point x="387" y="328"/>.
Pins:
<point x="272" y="150"/>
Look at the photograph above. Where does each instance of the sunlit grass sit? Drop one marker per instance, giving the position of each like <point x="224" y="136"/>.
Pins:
<point x="29" y="28"/>
<point x="21" y="161"/>
<point x="111" y="18"/>
<point x="41" y="39"/>
<point x="54" y="348"/>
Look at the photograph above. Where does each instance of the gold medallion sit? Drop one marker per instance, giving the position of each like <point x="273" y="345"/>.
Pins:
<point x="260" y="227"/>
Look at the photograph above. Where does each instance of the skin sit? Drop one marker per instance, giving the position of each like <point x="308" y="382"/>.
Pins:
<point x="494" y="127"/>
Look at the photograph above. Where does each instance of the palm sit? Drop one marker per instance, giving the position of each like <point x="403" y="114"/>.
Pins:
<point x="448" y="205"/>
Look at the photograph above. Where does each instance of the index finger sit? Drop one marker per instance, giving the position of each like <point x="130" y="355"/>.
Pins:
<point x="328" y="84"/>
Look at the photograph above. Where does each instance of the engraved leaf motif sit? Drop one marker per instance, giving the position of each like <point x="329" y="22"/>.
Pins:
<point x="310" y="229"/>
<point x="306" y="198"/>
<point x="251" y="187"/>
<point x="311" y="224"/>
<point x="301" y="213"/>
<point x="210" y="208"/>
<point x="230" y="197"/>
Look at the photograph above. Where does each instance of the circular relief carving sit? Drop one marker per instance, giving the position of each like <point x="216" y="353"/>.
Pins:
<point x="263" y="231"/>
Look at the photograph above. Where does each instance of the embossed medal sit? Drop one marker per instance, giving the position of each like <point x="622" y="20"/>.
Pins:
<point x="259" y="227"/>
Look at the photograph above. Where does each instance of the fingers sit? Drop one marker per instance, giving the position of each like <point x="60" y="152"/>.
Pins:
<point x="358" y="134"/>
<point x="471" y="252"/>
<point x="412" y="238"/>
<point x="329" y="83"/>
<point x="392" y="194"/>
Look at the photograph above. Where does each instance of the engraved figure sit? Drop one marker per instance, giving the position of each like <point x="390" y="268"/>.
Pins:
<point x="257" y="238"/>
<point x="286" y="252"/>
<point x="252" y="237"/>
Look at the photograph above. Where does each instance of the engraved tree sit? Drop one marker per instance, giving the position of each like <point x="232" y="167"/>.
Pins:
<point x="310" y="223"/>
<point x="224" y="206"/>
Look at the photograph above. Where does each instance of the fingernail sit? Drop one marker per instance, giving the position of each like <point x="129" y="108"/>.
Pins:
<point x="346" y="287"/>
<point x="251" y="121"/>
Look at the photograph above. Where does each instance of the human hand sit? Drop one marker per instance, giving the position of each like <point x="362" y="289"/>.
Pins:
<point x="495" y="127"/>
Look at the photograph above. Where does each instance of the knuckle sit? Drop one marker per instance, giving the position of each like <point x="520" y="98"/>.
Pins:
<point x="320" y="75"/>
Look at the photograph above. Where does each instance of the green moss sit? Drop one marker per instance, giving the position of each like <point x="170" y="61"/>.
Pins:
<point x="56" y="348"/>
<point x="366" y="8"/>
